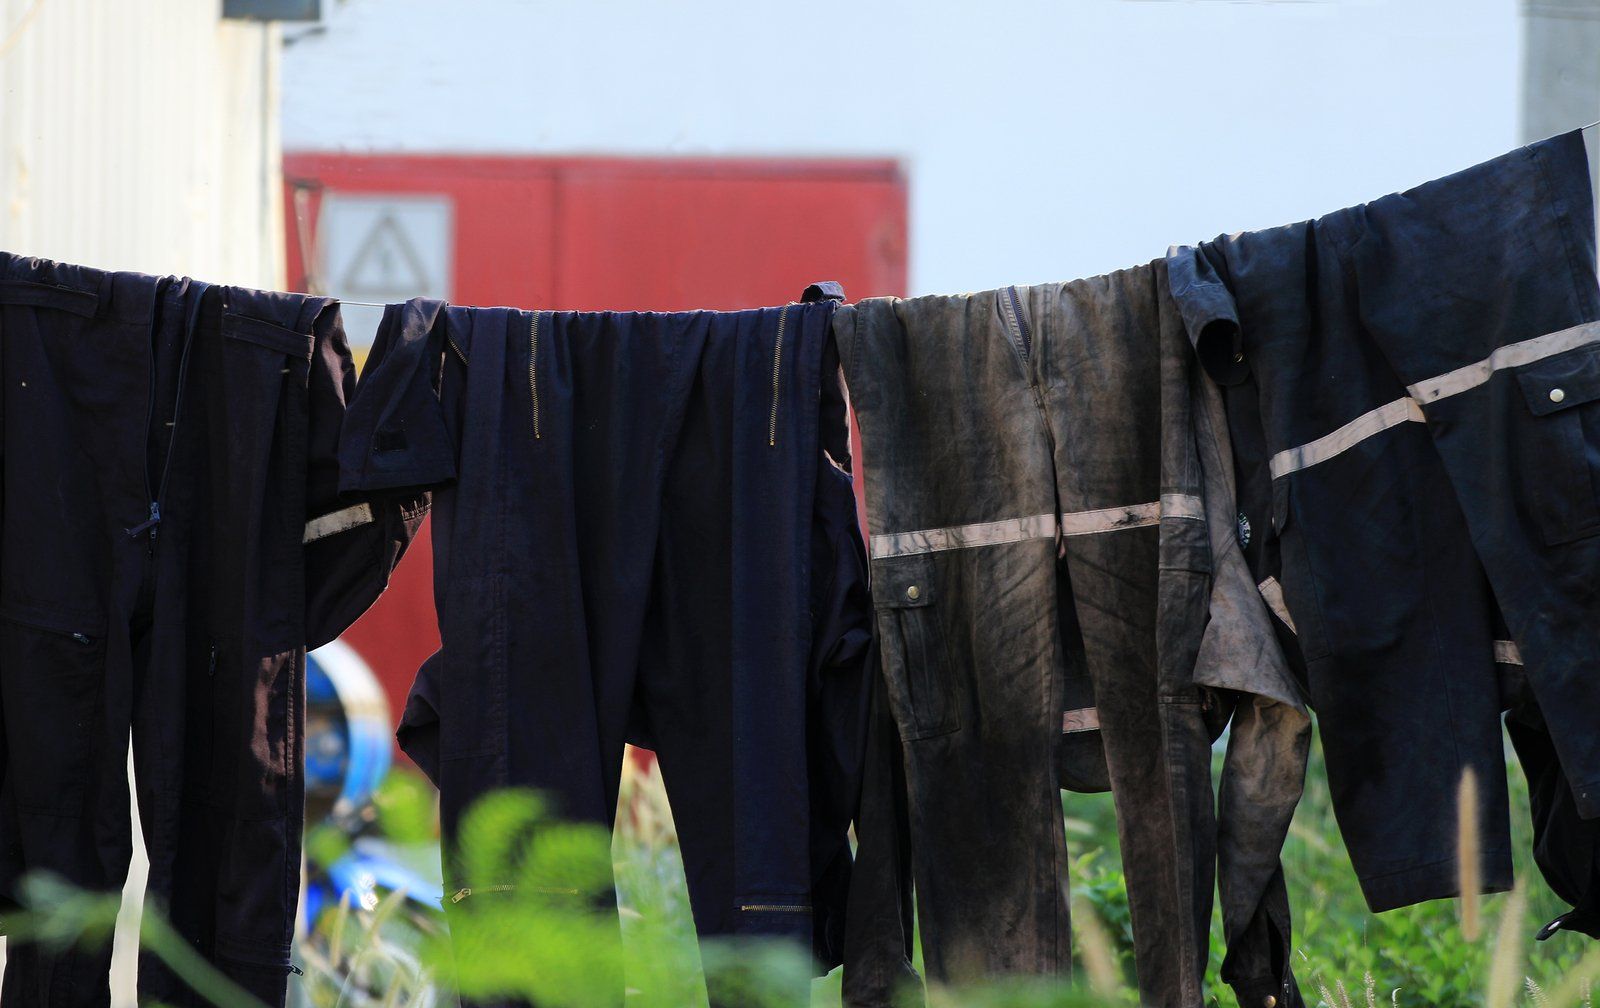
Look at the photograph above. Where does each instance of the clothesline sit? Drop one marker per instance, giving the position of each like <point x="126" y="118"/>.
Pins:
<point x="374" y="304"/>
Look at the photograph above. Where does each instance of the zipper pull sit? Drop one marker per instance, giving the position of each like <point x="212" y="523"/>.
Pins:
<point x="297" y="971"/>
<point x="460" y="895"/>
<point x="149" y="524"/>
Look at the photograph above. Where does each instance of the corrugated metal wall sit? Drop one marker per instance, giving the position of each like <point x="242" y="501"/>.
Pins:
<point x="143" y="136"/>
<point x="140" y="136"/>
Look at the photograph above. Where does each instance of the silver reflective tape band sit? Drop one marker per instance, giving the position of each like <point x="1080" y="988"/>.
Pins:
<point x="1507" y="653"/>
<point x="1080" y="720"/>
<point x="1514" y="355"/>
<point x="1077" y="523"/>
<point x="337" y="521"/>
<point x="963" y="536"/>
<point x="1430" y="391"/>
<point x="1347" y="437"/>
<point x="1110" y="519"/>
<point x="1186" y="506"/>
<point x="1272" y="591"/>
<point x="1183" y="506"/>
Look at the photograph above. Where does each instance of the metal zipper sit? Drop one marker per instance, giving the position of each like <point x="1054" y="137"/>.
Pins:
<point x="777" y="369"/>
<point x="452" y="341"/>
<point x="533" y="370"/>
<point x="1022" y="323"/>
<point x="777" y="907"/>
<point x="153" y="521"/>
<point x="154" y="518"/>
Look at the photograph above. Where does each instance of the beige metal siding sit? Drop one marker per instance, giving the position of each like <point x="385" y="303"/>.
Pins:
<point x="140" y="136"/>
<point x="144" y="136"/>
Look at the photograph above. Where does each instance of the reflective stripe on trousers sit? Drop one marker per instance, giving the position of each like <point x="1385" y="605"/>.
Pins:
<point x="1044" y="526"/>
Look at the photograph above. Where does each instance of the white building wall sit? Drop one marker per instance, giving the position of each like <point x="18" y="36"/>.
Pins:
<point x="140" y="135"/>
<point x="1044" y="139"/>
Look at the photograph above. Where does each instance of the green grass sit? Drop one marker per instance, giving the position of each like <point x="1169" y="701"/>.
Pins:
<point x="1413" y="956"/>
<point x="554" y="938"/>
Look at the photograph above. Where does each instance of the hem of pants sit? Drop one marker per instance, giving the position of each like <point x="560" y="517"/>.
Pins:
<point x="1435" y="880"/>
<point x="1253" y="993"/>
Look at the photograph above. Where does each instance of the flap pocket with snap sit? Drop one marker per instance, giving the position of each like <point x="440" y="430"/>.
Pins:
<point x="903" y="582"/>
<point x="916" y="655"/>
<point x="1562" y="382"/>
<point x="1558" y="447"/>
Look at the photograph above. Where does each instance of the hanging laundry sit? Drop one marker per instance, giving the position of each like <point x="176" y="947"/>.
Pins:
<point x="172" y="542"/>
<point x="1412" y="389"/>
<point x="1061" y="603"/>
<point x="644" y="532"/>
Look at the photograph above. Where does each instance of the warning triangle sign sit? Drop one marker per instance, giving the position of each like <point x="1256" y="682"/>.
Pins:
<point x="384" y="262"/>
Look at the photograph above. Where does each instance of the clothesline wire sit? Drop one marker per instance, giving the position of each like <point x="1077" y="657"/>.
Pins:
<point x="373" y="304"/>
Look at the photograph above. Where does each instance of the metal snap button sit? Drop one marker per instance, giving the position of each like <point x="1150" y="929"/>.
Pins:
<point x="1558" y="395"/>
<point x="1269" y="1001"/>
<point x="913" y="593"/>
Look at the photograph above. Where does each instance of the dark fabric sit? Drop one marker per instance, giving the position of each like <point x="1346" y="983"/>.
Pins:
<point x="1566" y="846"/>
<point x="645" y="532"/>
<point x="1399" y="555"/>
<point x="1042" y="518"/>
<point x="165" y="446"/>
<point x="880" y="933"/>
<point x="1253" y="684"/>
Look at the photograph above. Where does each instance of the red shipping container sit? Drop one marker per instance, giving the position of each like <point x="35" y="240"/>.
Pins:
<point x="565" y="233"/>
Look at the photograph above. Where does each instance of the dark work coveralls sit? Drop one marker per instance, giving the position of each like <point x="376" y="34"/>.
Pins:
<point x="644" y="531"/>
<point x="1061" y="603"/>
<point x="1414" y="392"/>
<point x="172" y="542"/>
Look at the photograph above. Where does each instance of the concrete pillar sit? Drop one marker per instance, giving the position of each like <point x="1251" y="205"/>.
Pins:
<point x="1561" y="70"/>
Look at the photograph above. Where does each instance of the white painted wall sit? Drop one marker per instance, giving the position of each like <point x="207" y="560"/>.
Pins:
<point x="1044" y="139"/>
<point x="141" y="135"/>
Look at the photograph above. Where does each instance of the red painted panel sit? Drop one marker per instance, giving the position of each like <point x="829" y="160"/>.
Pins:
<point x="610" y="233"/>
<point x="632" y="237"/>
<point x="504" y="249"/>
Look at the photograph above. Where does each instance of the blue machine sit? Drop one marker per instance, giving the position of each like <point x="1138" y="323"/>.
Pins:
<point x="348" y="740"/>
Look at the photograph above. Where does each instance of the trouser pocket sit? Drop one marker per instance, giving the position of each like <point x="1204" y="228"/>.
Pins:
<point x="1295" y="600"/>
<point x="52" y="676"/>
<point x="916" y="656"/>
